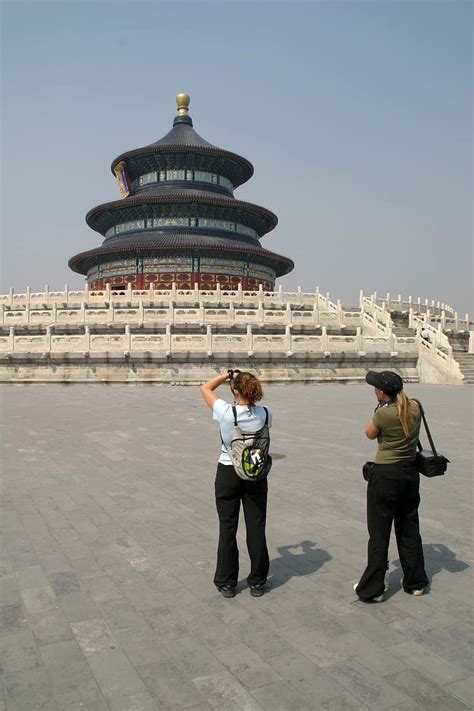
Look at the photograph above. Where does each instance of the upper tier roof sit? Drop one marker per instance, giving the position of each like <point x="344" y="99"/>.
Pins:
<point x="184" y="139"/>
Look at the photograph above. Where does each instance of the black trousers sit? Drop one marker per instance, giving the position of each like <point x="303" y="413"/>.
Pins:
<point x="230" y="491"/>
<point x="393" y="495"/>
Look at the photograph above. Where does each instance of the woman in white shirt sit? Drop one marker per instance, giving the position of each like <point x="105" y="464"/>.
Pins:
<point x="230" y="489"/>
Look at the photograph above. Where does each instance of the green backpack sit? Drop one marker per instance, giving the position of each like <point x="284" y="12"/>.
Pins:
<point x="249" y="451"/>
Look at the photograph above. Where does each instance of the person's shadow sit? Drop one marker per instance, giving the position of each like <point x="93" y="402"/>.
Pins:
<point x="438" y="557"/>
<point x="295" y="560"/>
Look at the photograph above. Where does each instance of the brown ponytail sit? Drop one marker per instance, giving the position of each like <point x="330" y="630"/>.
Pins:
<point x="408" y="411"/>
<point x="249" y="387"/>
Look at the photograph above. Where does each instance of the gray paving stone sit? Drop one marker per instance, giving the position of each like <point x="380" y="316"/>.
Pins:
<point x="9" y="592"/>
<point x="101" y="588"/>
<point x="18" y="651"/>
<point x="83" y="695"/>
<point x="94" y="636"/>
<point x="50" y="626"/>
<point x="138" y="701"/>
<point x="29" y="690"/>
<point x="427" y="662"/>
<point x="32" y="576"/>
<point x="39" y="599"/>
<point x="192" y="657"/>
<point x="115" y="674"/>
<point x="78" y="606"/>
<point x="224" y="693"/>
<point x="12" y="618"/>
<point x="65" y="663"/>
<point x="281" y="697"/>
<point x="425" y="692"/>
<point x="247" y="667"/>
<point x="375" y="692"/>
<point x="64" y="582"/>
<point x="464" y="690"/>
<point x="171" y="688"/>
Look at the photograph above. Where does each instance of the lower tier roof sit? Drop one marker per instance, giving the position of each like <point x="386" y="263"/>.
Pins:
<point x="161" y="244"/>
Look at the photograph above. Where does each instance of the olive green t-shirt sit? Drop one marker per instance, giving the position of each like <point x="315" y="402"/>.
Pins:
<point x="393" y="445"/>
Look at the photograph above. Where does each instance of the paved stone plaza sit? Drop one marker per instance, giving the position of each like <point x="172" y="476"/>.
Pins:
<point x="110" y="530"/>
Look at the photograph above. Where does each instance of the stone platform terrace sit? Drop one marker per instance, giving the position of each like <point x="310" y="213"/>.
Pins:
<point x="109" y="533"/>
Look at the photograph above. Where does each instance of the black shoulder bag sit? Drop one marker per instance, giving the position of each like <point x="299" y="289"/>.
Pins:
<point x="428" y="461"/>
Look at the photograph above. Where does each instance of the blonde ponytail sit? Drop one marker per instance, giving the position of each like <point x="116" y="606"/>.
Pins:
<point x="408" y="411"/>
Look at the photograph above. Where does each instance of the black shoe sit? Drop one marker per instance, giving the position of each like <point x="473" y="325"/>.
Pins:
<point x="227" y="590"/>
<point x="257" y="590"/>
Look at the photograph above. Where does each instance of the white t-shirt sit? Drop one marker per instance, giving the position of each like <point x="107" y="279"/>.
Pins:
<point x="249" y="420"/>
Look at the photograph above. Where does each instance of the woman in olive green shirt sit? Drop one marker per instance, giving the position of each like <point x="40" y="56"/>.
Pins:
<point x="393" y="489"/>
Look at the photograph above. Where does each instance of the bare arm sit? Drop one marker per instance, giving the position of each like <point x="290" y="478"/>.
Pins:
<point x="207" y="389"/>
<point x="372" y="431"/>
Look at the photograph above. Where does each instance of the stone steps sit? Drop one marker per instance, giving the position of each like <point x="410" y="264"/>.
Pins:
<point x="466" y="364"/>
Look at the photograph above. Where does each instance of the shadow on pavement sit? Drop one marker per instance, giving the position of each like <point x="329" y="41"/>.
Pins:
<point x="296" y="560"/>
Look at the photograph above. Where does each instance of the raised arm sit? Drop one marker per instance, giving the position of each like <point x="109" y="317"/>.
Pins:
<point x="207" y="389"/>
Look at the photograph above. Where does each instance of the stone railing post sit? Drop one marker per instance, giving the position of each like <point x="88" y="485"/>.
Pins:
<point x="218" y="293"/>
<point x="261" y="313"/>
<point x="11" y="339"/>
<point x="27" y="313"/>
<point x="315" y="318"/>
<point x="443" y="319"/>
<point x="361" y="299"/>
<point x="173" y="291"/>
<point x="141" y="311"/>
<point x="324" y="339"/>
<point x="288" y="344"/>
<point x="300" y="296"/>
<point x="128" y="339"/>
<point x="11" y="295"/>
<point x="129" y="293"/>
<point x="83" y="312"/>
<point x="28" y="294"/>
<point x="107" y="291"/>
<point x="55" y="313"/>
<point x="151" y="292"/>
<point x="281" y="296"/>
<point x="209" y="339"/>
<point x="289" y="315"/>
<point x="2" y="313"/>
<point x="110" y="313"/>
<point x="456" y="321"/>
<point x="411" y="318"/>
<point x="66" y="293"/>
<point x="202" y="313"/>
<point x="359" y="340"/>
<point x="196" y="292"/>
<point x="471" y="341"/>
<point x="85" y="294"/>
<point x="261" y="295"/>
<point x="231" y="313"/>
<point x="467" y="322"/>
<point x="87" y="339"/>
<point x="171" y="312"/>
<point x="239" y="293"/>
<point x="168" y="340"/>
<point x="49" y="331"/>
<point x="46" y="295"/>
<point x="249" y="340"/>
<point x="388" y="301"/>
<point x="340" y="313"/>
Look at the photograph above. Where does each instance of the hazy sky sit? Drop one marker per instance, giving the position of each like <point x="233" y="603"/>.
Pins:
<point x="356" y="116"/>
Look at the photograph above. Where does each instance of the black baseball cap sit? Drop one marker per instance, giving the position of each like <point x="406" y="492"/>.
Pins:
<point x="390" y="383"/>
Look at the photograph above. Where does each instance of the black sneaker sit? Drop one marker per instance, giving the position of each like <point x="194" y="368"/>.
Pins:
<point x="257" y="590"/>
<point x="227" y="590"/>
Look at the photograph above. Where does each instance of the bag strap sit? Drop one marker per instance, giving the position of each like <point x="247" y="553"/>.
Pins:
<point x="234" y="412"/>
<point x="430" y="438"/>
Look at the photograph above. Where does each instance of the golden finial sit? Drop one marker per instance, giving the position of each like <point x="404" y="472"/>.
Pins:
<point x="183" y="104"/>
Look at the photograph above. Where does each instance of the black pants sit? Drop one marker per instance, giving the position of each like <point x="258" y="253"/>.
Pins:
<point x="230" y="491"/>
<point x="393" y="495"/>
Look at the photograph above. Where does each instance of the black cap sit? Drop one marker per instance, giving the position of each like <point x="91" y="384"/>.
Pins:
<point x="390" y="383"/>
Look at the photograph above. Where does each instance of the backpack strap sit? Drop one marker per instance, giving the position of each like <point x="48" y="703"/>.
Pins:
<point x="234" y="410"/>
<point x="266" y="414"/>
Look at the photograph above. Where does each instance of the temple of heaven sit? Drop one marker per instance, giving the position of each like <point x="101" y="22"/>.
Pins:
<point x="178" y="222"/>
